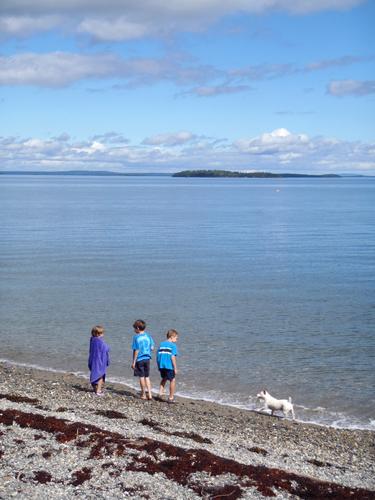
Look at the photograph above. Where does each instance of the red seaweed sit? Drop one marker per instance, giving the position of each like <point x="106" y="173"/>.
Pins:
<point x="42" y="476"/>
<point x="80" y="476"/>
<point x="260" y="451"/>
<point x="110" y="414"/>
<point x="19" y="399"/>
<point x="144" y="455"/>
<point x="189" y="435"/>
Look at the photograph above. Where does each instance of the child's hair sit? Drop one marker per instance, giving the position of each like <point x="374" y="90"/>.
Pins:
<point x="97" y="331"/>
<point x="139" y="325"/>
<point x="172" y="333"/>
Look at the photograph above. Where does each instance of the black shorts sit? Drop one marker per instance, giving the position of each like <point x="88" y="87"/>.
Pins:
<point x="142" y="368"/>
<point x="167" y="374"/>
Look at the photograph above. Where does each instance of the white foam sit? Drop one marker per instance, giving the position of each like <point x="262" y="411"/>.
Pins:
<point x="44" y="368"/>
<point x="324" y="417"/>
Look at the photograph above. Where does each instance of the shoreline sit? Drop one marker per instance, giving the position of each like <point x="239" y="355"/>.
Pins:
<point x="59" y="440"/>
<point x="124" y="384"/>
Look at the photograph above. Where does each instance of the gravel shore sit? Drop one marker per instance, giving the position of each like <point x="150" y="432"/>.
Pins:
<point x="58" y="440"/>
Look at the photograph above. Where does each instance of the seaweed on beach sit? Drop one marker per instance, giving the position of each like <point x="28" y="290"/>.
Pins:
<point x="42" y="476"/>
<point x="189" y="435"/>
<point x="319" y="463"/>
<point x="110" y="414"/>
<point x="80" y="476"/>
<point x="193" y="436"/>
<point x="260" y="451"/>
<point x="14" y="398"/>
<point x="113" y="469"/>
<point x="178" y="464"/>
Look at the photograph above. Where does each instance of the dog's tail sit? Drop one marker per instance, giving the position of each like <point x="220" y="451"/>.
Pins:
<point x="290" y="399"/>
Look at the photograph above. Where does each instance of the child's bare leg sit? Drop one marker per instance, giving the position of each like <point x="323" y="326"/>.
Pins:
<point x="142" y="383"/>
<point x="162" y="387"/>
<point x="172" y="388"/>
<point x="148" y="385"/>
<point x="100" y="385"/>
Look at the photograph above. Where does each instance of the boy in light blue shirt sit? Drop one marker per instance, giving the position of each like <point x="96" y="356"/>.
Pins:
<point x="142" y="346"/>
<point x="167" y="364"/>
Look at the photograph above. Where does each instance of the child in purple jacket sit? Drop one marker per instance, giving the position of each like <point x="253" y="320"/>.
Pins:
<point x="98" y="359"/>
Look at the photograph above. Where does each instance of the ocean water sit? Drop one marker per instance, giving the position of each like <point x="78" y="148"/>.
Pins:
<point x="270" y="282"/>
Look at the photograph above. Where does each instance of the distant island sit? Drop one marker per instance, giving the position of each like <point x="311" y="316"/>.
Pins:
<point x="229" y="173"/>
<point x="184" y="173"/>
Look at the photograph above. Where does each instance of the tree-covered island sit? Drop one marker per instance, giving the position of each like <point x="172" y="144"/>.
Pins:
<point x="229" y="173"/>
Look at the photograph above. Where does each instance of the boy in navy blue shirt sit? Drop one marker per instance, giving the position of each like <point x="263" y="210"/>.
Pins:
<point x="142" y="346"/>
<point x="167" y="364"/>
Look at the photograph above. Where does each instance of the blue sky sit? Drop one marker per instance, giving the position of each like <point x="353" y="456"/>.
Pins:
<point x="149" y="85"/>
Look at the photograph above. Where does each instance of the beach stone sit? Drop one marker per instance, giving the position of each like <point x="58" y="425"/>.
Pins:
<point x="192" y="426"/>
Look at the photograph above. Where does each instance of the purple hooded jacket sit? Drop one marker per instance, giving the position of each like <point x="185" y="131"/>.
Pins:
<point x="98" y="359"/>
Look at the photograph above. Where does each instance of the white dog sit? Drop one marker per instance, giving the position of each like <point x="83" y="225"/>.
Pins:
<point x="273" y="404"/>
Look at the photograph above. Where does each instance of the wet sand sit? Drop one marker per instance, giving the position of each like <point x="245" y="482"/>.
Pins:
<point x="59" y="440"/>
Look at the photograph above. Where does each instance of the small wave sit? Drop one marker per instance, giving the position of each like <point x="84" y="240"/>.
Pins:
<point x="321" y="417"/>
<point x="318" y="416"/>
<point x="44" y="368"/>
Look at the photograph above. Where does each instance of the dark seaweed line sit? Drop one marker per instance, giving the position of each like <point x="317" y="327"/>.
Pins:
<point x="188" y="435"/>
<point x="14" y="398"/>
<point x="181" y="463"/>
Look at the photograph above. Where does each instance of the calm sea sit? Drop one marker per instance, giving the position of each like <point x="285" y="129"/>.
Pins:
<point x="271" y="283"/>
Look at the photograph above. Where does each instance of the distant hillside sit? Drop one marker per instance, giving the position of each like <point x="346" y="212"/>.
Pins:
<point x="101" y="173"/>
<point x="229" y="173"/>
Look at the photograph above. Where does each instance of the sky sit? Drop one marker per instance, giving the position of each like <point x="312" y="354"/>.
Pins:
<point x="164" y="86"/>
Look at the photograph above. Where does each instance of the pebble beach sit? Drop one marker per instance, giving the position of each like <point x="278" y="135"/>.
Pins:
<point x="59" y="440"/>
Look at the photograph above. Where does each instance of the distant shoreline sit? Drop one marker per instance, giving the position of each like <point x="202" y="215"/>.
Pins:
<point x="222" y="174"/>
<point x="99" y="173"/>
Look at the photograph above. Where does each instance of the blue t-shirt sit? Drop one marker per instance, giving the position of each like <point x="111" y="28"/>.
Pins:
<point x="143" y="343"/>
<point x="165" y="352"/>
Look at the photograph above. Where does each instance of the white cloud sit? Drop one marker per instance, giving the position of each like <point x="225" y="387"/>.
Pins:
<point x="24" y="26"/>
<point x="91" y="149"/>
<point x="215" y="90"/>
<point x="271" y="143"/>
<point x="114" y="30"/>
<point x="55" y="69"/>
<point x="338" y="62"/>
<point x="279" y="150"/>
<point x="62" y="137"/>
<point x="131" y="19"/>
<point x="176" y="139"/>
<point x="341" y="88"/>
<point x="60" y="69"/>
<point x="110" y="138"/>
<point x="263" y="71"/>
